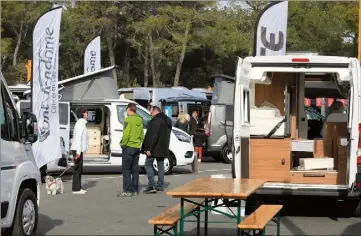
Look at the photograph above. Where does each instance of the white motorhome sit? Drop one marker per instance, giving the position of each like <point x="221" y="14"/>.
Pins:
<point x="20" y="176"/>
<point x="97" y="92"/>
<point x="280" y="150"/>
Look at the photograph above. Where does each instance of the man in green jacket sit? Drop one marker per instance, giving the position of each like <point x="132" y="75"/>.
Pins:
<point x="133" y="136"/>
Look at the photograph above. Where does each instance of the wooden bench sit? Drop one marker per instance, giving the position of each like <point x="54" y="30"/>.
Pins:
<point x="258" y="220"/>
<point x="168" y="220"/>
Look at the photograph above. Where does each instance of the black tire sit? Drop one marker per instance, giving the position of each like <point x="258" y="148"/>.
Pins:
<point x="17" y="226"/>
<point x="171" y="165"/>
<point x="357" y="209"/>
<point x="224" y="155"/>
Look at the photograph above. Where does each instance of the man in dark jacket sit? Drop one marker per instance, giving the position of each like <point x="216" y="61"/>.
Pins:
<point x="156" y="147"/>
<point x="193" y="126"/>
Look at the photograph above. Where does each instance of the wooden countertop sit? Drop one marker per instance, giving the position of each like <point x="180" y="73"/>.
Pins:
<point x="217" y="188"/>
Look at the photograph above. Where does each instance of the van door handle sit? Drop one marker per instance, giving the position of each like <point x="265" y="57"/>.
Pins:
<point x="118" y="130"/>
<point x="238" y="149"/>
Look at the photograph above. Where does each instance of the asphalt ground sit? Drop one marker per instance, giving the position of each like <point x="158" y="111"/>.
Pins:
<point x="101" y="212"/>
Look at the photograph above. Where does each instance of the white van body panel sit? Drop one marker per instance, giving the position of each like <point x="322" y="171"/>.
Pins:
<point x="354" y="119"/>
<point x="17" y="165"/>
<point x="242" y="126"/>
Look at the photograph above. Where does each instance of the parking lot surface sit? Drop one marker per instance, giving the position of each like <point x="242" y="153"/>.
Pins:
<point x="101" y="212"/>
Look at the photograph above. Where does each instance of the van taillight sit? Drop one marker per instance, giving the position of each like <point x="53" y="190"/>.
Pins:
<point x="207" y="129"/>
<point x="300" y="60"/>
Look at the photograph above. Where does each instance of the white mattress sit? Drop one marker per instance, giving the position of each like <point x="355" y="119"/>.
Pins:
<point x="262" y="126"/>
<point x="263" y="113"/>
<point x="316" y="163"/>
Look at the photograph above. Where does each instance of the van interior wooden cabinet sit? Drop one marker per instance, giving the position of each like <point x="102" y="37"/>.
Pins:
<point x="270" y="159"/>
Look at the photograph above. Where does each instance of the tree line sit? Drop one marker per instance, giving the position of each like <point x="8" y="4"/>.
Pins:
<point x="170" y="43"/>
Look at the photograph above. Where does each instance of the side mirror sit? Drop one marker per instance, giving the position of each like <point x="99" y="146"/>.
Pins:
<point x="229" y="113"/>
<point x="29" y="127"/>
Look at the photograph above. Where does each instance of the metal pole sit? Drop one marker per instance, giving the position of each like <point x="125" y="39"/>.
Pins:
<point x="359" y="32"/>
<point x="195" y="167"/>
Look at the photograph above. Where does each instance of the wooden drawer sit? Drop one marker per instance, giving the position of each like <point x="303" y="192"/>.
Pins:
<point x="341" y="158"/>
<point x="316" y="177"/>
<point x="323" y="148"/>
<point x="94" y="140"/>
<point x="94" y="133"/>
<point x="94" y="149"/>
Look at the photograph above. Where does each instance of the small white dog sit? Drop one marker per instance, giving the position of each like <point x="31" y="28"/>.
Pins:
<point x="54" y="186"/>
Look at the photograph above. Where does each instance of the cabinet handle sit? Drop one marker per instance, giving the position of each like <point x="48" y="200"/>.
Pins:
<point x="283" y="162"/>
<point x="314" y="175"/>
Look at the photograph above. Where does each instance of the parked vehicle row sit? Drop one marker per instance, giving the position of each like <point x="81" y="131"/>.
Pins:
<point x="97" y="92"/>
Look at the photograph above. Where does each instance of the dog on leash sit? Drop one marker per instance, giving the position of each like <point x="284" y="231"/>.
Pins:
<point x="54" y="186"/>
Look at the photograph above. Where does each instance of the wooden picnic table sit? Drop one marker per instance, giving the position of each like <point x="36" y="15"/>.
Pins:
<point x="211" y="189"/>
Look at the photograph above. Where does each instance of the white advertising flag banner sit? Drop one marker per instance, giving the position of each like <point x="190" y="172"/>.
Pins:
<point x="44" y="80"/>
<point x="271" y="30"/>
<point x="92" y="56"/>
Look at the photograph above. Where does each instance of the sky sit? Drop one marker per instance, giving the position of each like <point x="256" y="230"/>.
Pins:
<point x="222" y="4"/>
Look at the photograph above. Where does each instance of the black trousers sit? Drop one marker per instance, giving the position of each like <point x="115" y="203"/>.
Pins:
<point x="130" y="169"/>
<point x="78" y="169"/>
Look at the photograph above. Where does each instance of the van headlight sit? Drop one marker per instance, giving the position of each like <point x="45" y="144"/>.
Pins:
<point x="182" y="136"/>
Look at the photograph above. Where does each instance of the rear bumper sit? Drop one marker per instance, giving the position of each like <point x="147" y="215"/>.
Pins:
<point x="341" y="193"/>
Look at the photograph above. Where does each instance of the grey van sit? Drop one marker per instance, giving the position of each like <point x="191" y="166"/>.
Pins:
<point x="217" y="127"/>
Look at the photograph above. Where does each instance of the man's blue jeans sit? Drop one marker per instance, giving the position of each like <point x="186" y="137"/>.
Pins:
<point x="150" y="172"/>
<point x="130" y="168"/>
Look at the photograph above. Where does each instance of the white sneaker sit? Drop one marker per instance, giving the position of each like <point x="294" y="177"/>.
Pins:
<point x="79" y="192"/>
<point x="84" y="190"/>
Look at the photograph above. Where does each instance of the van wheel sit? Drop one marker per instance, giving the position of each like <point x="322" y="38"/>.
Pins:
<point x="357" y="210"/>
<point x="168" y="165"/>
<point x="26" y="214"/>
<point x="226" y="156"/>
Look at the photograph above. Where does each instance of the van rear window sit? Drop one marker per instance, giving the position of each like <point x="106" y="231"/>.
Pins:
<point x="223" y="91"/>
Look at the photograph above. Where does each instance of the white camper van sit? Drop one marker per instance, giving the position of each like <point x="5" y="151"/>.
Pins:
<point x="280" y="151"/>
<point x="20" y="176"/>
<point x="97" y="92"/>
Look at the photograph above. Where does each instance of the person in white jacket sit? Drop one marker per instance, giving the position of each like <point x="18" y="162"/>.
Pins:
<point x="78" y="147"/>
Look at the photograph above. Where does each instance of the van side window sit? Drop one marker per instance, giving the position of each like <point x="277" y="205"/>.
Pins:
<point x="122" y="113"/>
<point x="11" y="118"/>
<point x="4" y="129"/>
<point x="246" y="113"/>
